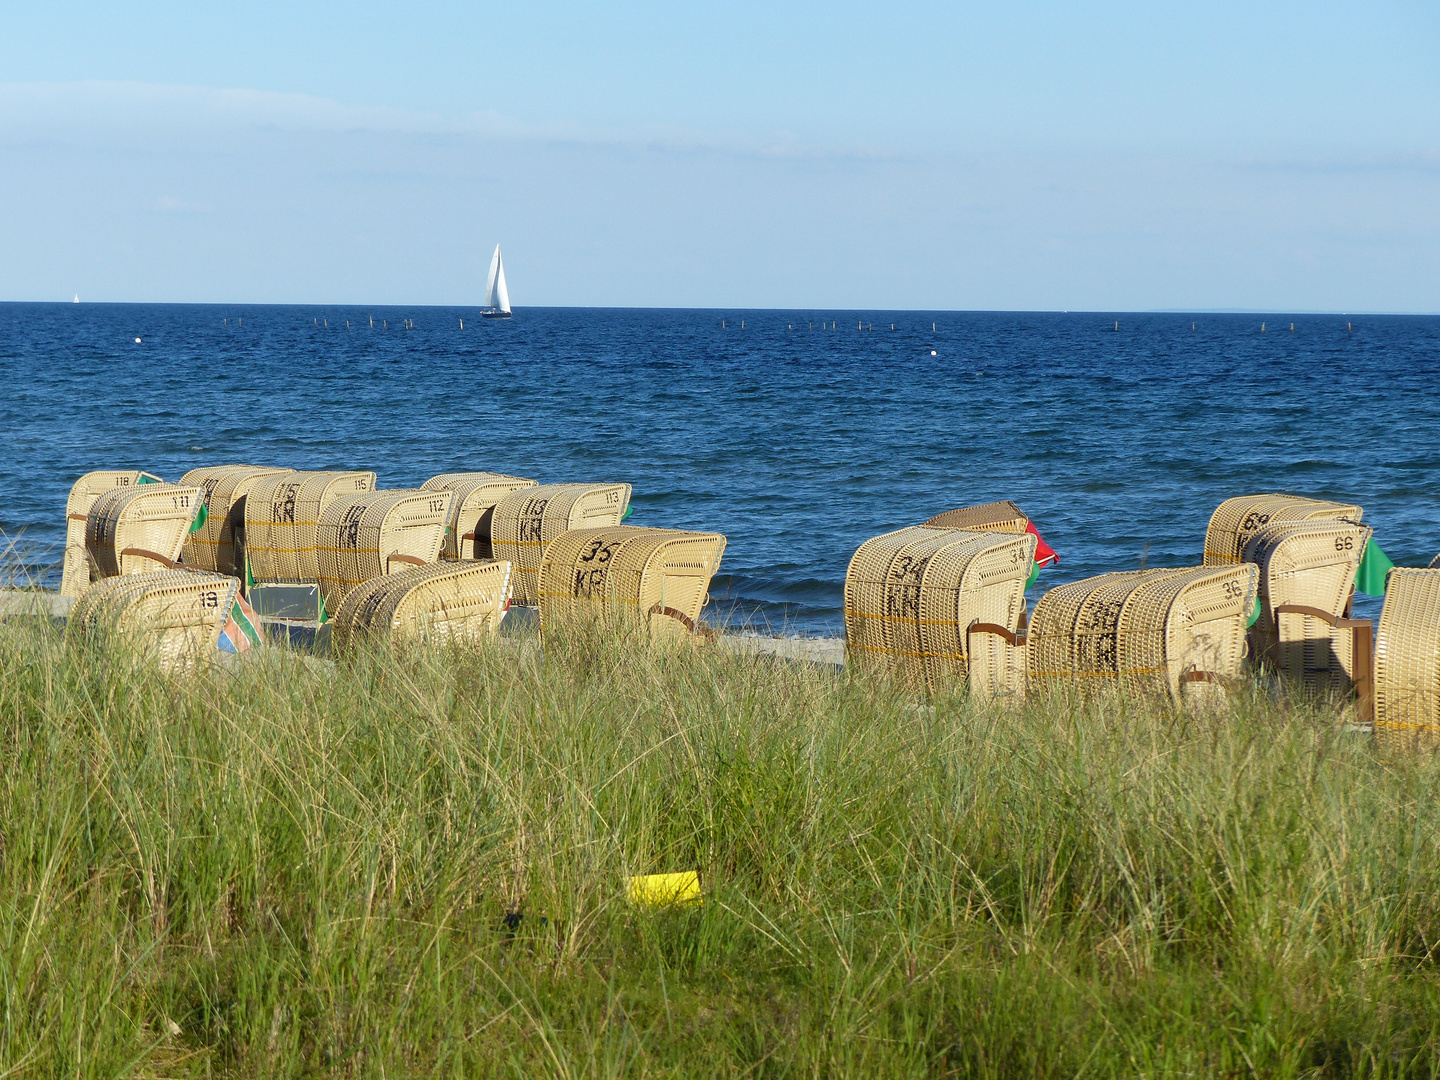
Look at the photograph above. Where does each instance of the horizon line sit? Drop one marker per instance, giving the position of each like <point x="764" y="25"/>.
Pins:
<point x="722" y="309"/>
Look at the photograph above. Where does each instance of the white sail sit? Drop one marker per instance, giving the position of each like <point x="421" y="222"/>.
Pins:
<point x="490" y="281"/>
<point x="501" y="292"/>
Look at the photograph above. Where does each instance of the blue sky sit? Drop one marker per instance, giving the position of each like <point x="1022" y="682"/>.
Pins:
<point x="1277" y="157"/>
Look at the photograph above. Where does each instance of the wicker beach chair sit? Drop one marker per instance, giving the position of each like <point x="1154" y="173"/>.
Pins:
<point x="996" y="517"/>
<point x="911" y="597"/>
<point x="1307" y="574"/>
<point x="77" y="573"/>
<point x="282" y="514"/>
<point x="218" y="543"/>
<point x="656" y="579"/>
<point x="175" y="616"/>
<point x="467" y="534"/>
<point x="1176" y="631"/>
<point x="131" y="530"/>
<point x="366" y="536"/>
<point x="444" y="602"/>
<point x="1407" y="660"/>
<point x="1435" y="563"/>
<point x="524" y="522"/>
<point x="1236" y="520"/>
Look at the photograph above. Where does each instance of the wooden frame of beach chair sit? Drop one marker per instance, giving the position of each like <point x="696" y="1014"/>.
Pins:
<point x="467" y="535"/>
<point x="912" y="596"/>
<point x="1406" y="685"/>
<point x="174" y="615"/>
<point x="363" y="537"/>
<point x="525" y="522"/>
<point x="999" y="517"/>
<point x="444" y="602"/>
<point x="1180" y="631"/>
<point x="1307" y="575"/>
<point x="132" y="530"/>
<point x="218" y="543"/>
<point x="655" y="579"/>
<point x="77" y="573"/>
<point x="282" y="514"/>
<point x="1236" y="520"/>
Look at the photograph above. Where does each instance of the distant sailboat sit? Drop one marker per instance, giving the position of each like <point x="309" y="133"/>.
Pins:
<point x="497" y="296"/>
<point x="77" y="298"/>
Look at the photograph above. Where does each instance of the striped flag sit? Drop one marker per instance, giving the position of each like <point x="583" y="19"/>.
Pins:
<point x="242" y="629"/>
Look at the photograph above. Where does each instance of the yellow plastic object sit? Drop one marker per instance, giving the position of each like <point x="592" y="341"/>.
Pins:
<point x="666" y="890"/>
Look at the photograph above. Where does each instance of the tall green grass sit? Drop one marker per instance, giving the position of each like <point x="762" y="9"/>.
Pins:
<point x="414" y="864"/>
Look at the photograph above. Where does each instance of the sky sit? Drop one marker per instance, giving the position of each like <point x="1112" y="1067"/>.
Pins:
<point x="1124" y="156"/>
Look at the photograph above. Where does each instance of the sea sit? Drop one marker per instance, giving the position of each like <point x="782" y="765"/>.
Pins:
<point x="797" y="434"/>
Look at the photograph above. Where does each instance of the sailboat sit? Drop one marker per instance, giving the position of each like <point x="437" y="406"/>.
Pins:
<point x="497" y="296"/>
<point x="77" y="298"/>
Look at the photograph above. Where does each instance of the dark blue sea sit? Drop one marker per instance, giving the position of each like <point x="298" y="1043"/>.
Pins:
<point x="795" y="440"/>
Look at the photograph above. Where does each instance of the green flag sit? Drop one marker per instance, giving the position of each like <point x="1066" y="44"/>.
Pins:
<point x="1034" y="574"/>
<point x="1254" y="613"/>
<point x="1374" y="566"/>
<point x="201" y="516"/>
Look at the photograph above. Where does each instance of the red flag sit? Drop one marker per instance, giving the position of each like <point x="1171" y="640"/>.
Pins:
<point x="1044" y="553"/>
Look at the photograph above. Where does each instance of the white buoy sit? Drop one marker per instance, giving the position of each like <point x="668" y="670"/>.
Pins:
<point x="462" y="324"/>
<point x="932" y="352"/>
<point x="137" y="341"/>
<point x="932" y="328"/>
<point x="372" y="322"/>
<point x="1262" y="328"/>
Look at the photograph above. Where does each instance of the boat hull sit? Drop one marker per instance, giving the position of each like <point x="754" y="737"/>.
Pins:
<point x="495" y="314"/>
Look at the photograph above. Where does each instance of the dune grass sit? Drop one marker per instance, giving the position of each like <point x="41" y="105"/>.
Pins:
<point x="414" y="864"/>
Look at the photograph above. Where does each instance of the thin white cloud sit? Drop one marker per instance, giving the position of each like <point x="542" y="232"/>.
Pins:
<point x="91" y="109"/>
